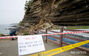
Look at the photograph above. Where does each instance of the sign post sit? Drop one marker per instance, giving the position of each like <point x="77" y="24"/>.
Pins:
<point x="30" y="44"/>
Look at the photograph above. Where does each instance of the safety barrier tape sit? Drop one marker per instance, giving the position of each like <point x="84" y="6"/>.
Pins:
<point x="61" y="49"/>
<point x="7" y="37"/>
<point x="46" y="34"/>
<point x="65" y="33"/>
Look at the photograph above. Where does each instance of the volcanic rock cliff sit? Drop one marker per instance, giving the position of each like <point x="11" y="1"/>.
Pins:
<point x="56" y="12"/>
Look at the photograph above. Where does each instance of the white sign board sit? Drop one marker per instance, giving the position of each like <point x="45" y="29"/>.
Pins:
<point x="30" y="44"/>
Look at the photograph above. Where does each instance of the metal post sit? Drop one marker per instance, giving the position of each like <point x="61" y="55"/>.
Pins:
<point x="46" y="37"/>
<point x="61" y="37"/>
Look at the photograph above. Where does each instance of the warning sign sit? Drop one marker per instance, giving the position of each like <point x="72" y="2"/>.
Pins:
<point x="30" y="44"/>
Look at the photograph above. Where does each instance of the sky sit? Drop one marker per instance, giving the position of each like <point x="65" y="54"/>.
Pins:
<point x="11" y="11"/>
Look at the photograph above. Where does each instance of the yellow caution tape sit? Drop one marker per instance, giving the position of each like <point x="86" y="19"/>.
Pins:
<point x="61" y="49"/>
<point x="34" y="54"/>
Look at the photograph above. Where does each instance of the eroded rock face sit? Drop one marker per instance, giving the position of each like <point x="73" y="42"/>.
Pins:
<point x="58" y="12"/>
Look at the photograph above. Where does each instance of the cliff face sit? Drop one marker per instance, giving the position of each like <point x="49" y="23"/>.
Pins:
<point x="58" y="12"/>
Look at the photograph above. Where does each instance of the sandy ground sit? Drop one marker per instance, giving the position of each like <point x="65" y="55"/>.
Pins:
<point x="9" y="48"/>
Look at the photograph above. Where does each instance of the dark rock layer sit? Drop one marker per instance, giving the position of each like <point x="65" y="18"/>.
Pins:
<point x="59" y="12"/>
